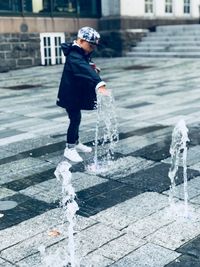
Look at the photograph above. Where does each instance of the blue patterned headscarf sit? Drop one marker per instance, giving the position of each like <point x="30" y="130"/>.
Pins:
<point x="89" y="34"/>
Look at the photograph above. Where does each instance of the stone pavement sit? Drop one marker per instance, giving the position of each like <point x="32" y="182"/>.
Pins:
<point x="124" y="218"/>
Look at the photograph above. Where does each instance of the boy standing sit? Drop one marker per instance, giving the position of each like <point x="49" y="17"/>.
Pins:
<point x="79" y="83"/>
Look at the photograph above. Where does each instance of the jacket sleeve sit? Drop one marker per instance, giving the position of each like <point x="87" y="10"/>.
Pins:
<point x="82" y="69"/>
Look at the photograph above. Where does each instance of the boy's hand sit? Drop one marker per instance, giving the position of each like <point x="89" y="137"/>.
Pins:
<point x="102" y="90"/>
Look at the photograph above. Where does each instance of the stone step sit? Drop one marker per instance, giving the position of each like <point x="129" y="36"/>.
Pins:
<point x="178" y="28"/>
<point x="170" y="34"/>
<point x="170" y="43"/>
<point x="164" y="54"/>
<point x="167" y="48"/>
<point x="171" y="38"/>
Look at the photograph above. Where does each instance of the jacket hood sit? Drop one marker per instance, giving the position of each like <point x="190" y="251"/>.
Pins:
<point x="66" y="47"/>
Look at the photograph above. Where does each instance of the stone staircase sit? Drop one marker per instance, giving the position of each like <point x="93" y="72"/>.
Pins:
<point x="182" y="41"/>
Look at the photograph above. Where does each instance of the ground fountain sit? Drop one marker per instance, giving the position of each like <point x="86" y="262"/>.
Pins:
<point x="68" y="204"/>
<point x="178" y="151"/>
<point x="106" y="134"/>
<point x="106" y="137"/>
<point x="69" y="207"/>
<point x="6" y="205"/>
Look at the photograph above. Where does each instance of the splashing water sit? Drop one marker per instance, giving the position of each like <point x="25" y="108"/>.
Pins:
<point x="57" y="258"/>
<point x="68" y="203"/>
<point x="106" y="133"/>
<point x="69" y="207"/>
<point x="178" y="150"/>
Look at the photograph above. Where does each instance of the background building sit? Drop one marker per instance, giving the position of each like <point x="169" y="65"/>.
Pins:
<point x="148" y="13"/>
<point x="31" y="30"/>
<point x="123" y="22"/>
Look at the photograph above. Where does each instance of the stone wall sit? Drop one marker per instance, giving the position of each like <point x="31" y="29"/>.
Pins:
<point x="22" y="50"/>
<point x="116" y="43"/>
<point x="19" y="50"/>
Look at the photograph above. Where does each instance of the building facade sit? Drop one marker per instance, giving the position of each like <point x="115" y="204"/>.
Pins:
<point x="134" y="14"/>
<point x="31" y="30"/>
<point x="124" y="22"/>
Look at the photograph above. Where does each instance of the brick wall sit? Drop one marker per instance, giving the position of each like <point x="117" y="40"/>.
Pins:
<point x="19" y="50"/>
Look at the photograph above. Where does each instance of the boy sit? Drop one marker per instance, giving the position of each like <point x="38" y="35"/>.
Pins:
<point x="79" y="83"/>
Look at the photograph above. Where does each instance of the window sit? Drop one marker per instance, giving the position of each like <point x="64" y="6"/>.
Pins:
<point x="51" y="52"/>
<point x="65" y="8"/>
<point x="36" y="6"/>
<point x="88" y="7"/>
<point x="168" y="6"/>
<point x="186" y="7"/>
<point x="81" y="8"/>
<point x="24" y="6"/>
<point x="10" y="6"/>
<point x="148" y="6"/>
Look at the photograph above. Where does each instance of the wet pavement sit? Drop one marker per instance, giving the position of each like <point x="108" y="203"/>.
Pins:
<point x="124" y="218"/>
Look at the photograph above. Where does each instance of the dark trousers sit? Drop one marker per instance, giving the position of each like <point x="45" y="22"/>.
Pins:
<point x="73" y="129"/>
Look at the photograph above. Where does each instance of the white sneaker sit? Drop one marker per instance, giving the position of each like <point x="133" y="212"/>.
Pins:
<point x="72" y="154"/>
<point x="83" y="148"/>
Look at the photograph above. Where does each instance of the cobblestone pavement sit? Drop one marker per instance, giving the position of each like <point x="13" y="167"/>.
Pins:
<point x="124" y="218"/>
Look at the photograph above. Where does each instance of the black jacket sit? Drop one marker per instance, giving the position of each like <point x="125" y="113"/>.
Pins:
<point x="78" y="82"/>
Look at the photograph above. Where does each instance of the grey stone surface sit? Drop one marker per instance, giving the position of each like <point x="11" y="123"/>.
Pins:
<point x="4" y="192"/>
<point x="173" y="236"/>
<point x="50" y="191"/>
<point x="125" y="166"/>
<point x="120" y="247"/>
<point x="96" y="259"/>
<point x="193" y="156"/>
<point x="24" y="145"/>
<point x="122" y="221"/>
<point x="18" y="169"/>
<point x="30" y="246"/>
<point x="29" y="228"/>
<point x="33" y="260"/>
<point x="196" y="166"/>
<point x="89" y="239"/>
<point x="16" y="138"/>
<point x="127" y="212"/>
<point x="150" y="224"/>
<point x="196" y="200"/>
<point x="4" y="263"/>
<point x="192" y="188"/>
<point x="19" y="165"/>
<point x="184" y="261"/>
<point x="149" y="255"/>
<point x="95" y="237"/>
<point x="5" y="153"/>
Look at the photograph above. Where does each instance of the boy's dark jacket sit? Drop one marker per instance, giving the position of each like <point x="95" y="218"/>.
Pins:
<point x="78" y="82"/>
